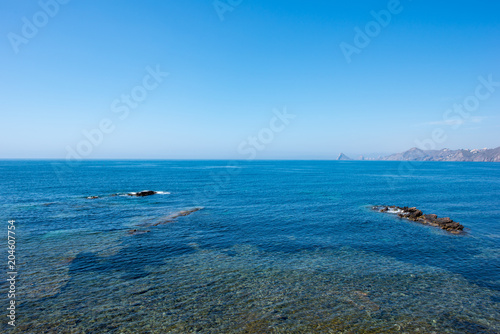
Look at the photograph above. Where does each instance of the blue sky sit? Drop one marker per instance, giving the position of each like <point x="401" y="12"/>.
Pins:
<point x="233" y="66"/>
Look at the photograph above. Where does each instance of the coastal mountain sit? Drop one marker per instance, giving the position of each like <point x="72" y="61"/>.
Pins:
<point x="342" y="156"/>
<point x="416" y="154"/>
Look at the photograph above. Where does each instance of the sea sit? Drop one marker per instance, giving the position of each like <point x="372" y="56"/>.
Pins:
<point x="248" y="247"/>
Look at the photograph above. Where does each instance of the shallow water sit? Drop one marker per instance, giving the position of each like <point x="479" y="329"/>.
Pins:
<point x="278" y="247"/>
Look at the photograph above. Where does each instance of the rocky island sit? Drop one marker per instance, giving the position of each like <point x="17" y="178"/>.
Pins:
<point x="344" y="157"/>
<point x="416" y="215"/>
<point x="143" y="193"/>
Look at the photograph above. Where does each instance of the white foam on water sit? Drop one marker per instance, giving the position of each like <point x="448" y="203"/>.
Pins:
<point x="394" y="210"/>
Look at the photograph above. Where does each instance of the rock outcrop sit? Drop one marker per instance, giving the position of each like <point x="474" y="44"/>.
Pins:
<point x="342" y="156"/>
<point x="416" y="215"/>
<point x="143" y="193"/>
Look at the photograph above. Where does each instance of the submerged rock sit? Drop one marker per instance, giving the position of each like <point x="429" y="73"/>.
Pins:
<point x="186" y="212"/>
<point x="171" y="218"/>
<point x="92" y="197"/>
<point x="134" y="232"/>
<point x="416" y="215"/>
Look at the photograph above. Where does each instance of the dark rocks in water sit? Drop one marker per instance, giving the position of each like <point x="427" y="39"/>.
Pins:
<point x="412" y="213"/>
<point x="416" y="215"/>
<point x="143" y="193"/>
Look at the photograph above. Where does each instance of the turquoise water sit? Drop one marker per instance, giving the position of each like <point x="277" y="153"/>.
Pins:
<point x="279" y="247"/>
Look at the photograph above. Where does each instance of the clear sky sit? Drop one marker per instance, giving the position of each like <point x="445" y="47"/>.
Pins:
<point x="353" y="82"/>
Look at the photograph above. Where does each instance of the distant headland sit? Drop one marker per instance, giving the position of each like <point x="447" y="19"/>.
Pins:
<point x="416" y="154"/>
